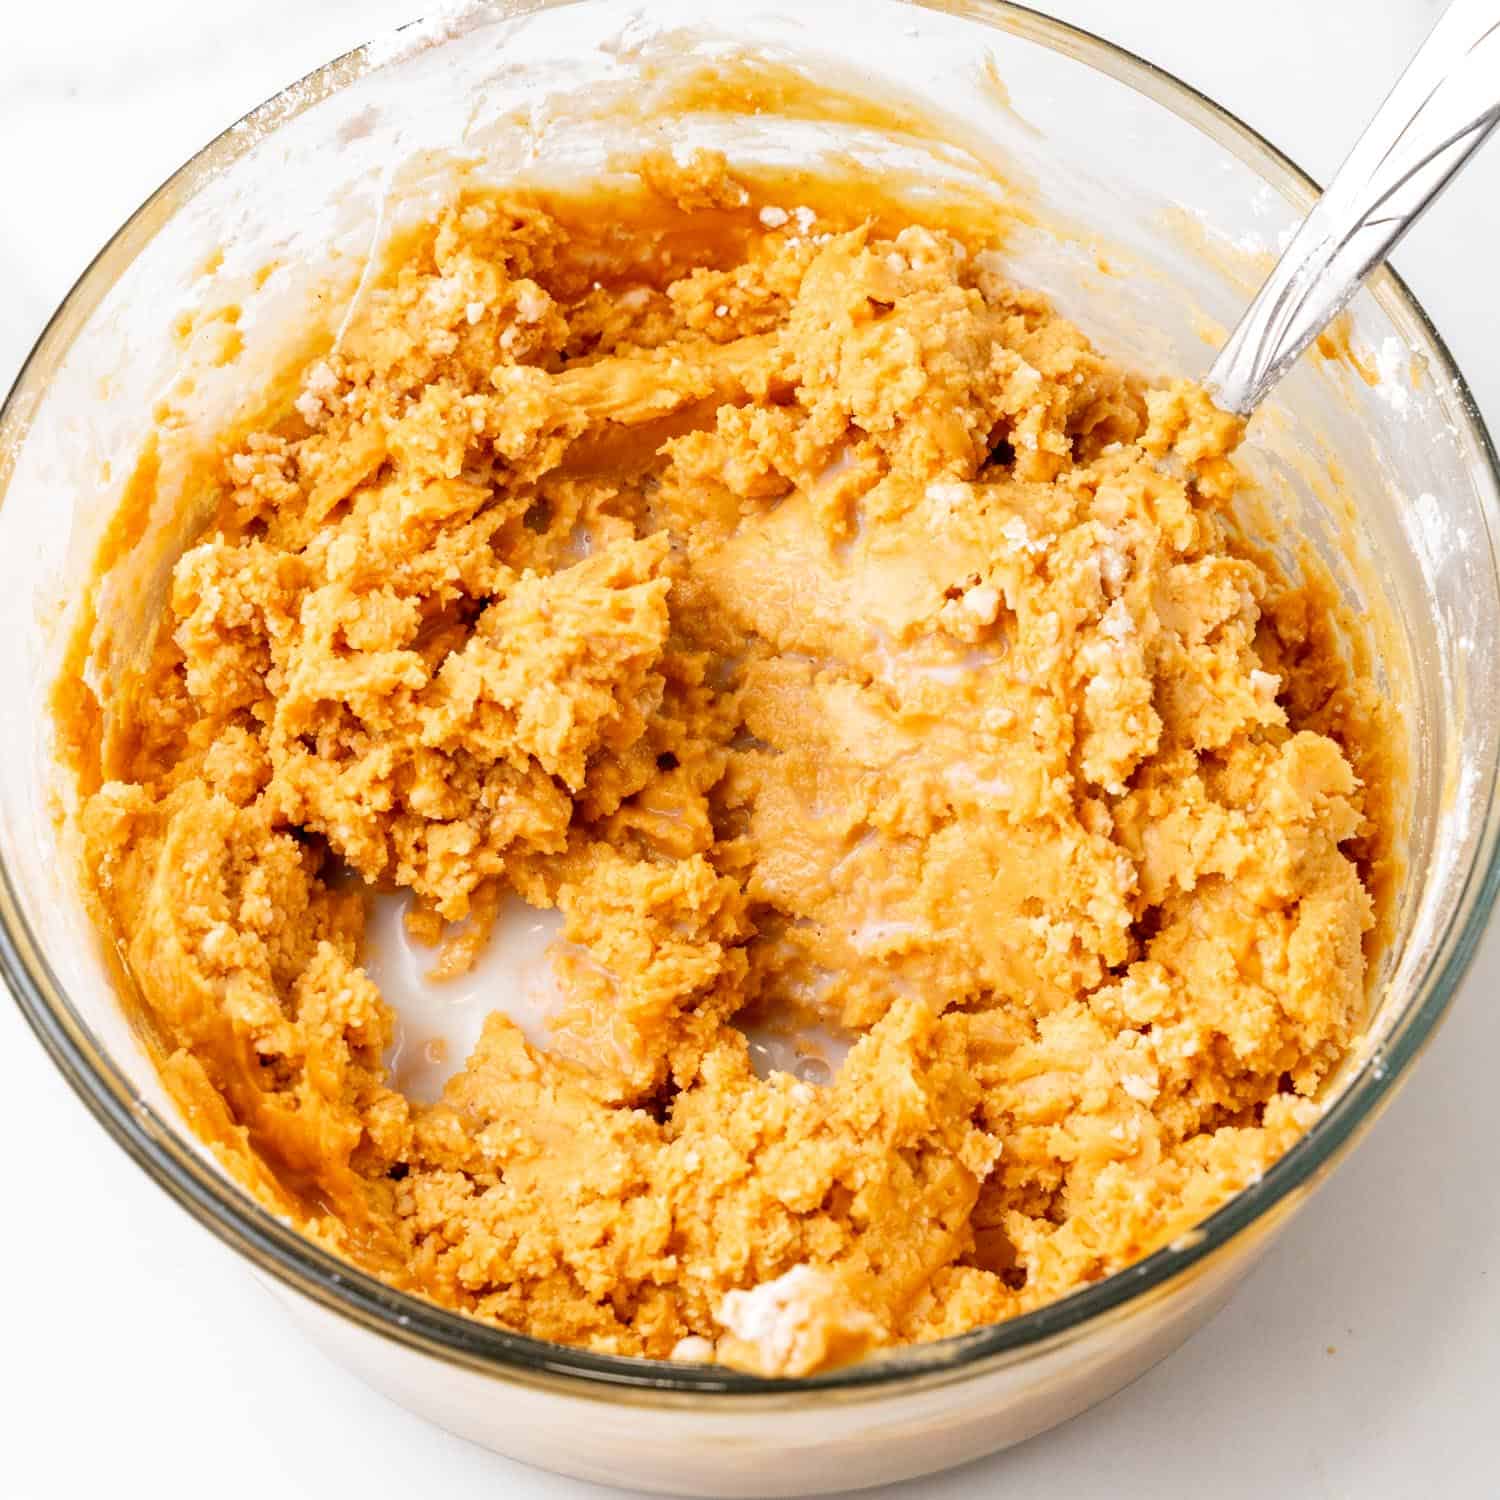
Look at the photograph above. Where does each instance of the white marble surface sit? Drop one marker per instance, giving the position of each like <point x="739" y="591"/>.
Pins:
<point x="136" y="1356"/>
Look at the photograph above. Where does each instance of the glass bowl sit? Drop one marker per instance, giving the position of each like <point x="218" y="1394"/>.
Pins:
<point x="1147" y="212"/>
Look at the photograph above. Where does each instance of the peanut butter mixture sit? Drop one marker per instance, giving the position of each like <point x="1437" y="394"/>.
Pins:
<point x="813" y="617"/>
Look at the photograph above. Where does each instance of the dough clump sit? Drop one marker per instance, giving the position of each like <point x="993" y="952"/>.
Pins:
<point x="833" y="636"/>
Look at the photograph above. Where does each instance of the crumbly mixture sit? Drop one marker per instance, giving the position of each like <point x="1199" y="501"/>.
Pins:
<point x="831" y="634"/>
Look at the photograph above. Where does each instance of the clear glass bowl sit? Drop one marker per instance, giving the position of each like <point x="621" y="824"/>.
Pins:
<point x="1152" y="215"/>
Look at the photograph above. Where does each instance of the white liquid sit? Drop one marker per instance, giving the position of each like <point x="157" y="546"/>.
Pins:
<point x="811" y="1053"/>
<point x="439" y="1021"/>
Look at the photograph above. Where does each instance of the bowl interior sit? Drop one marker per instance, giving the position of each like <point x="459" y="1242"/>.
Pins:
<point x="1147" y="215"/>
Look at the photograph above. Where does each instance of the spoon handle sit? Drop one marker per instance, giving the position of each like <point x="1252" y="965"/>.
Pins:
<point x="1441" y="110"/>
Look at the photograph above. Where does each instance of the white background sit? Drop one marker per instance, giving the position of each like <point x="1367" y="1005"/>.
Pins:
<point x="136" y="1355"/>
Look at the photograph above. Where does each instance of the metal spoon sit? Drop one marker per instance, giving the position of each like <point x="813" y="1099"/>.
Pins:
<point x="1440" y="112"/>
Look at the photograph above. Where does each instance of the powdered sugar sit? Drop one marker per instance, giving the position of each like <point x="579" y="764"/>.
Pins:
<point x="318" y="388"/>
<point x="531" y="302"/>
<point x="1018" y="534"/>
<point x="1392" y="365"/>
<point x="1265" y="685"/>
<point x="451" y="19"/>
<point x="772" y="1315"/>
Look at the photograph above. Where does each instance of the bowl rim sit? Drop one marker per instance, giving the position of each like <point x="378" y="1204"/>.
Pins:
<point x="275" y="1247"/>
